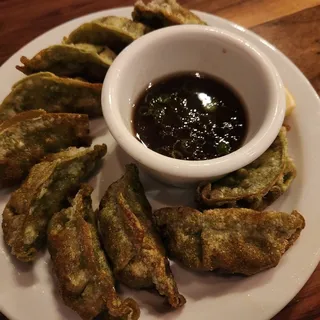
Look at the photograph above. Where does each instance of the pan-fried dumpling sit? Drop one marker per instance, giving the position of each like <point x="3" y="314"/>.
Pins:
<point x="132" y="244"/>
<point x="79" y="60"/>
<point x="46" y="91"/>
<point x="86" y="282"/>
<point x="113" y="32"/>
<point x="163" y="13"/>
<point x="255" y="186"/>
<point x="233" y="240"/>
<point x="43" y="193"/>
<point x="26" y="138"/>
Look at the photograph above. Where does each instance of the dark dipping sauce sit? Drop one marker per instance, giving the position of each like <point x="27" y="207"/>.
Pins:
<point x="190" y="116"/>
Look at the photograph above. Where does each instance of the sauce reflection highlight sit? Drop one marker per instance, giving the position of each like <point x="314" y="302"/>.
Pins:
<point x="190" y="116"/>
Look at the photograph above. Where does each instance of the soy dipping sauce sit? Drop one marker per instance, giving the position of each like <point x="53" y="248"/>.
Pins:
<point x="190" y="116"/>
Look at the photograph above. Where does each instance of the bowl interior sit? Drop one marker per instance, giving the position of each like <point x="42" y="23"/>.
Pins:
<point x="207" y="51"/>
<point x="203" y="49"/>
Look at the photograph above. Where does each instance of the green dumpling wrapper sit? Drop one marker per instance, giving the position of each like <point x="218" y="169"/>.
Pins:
<point x="232" y="240"/>
<point x="84" y="276"/>
<point x="42" y="194"/>
<point x="113" y="32"/>
<point x="255" y="186"/>
<point x="46" y="91"/>
<point x="132" y="244"/>
<point x="74" y="60"/>
<point x="29" y="136"/>
<point x="163" y="13"/>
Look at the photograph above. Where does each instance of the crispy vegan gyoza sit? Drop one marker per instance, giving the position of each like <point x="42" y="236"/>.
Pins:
<point x="46" y="91"/>
<point x="26" y="138"/>
<point x="255" y="186"/>
<point x="130" y="241"/>
<point x="113" y="32"/>
<point x="85" y="279"/>
<point x="163" y="13"/>
<point x="43" y="193"/>
<point x="73" y="60"/>
<point x="232" y="240"/>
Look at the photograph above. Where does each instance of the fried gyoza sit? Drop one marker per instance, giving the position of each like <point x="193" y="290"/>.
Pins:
<point x="232" y="240"/>
<point x="46" y="91"/>
<point x="43" y="193"/>
<point x="85" y="279"/>
<point x="26" y="138"/>
<point x="255" y="186"/>
<point x="113" y="32"/>
<point x="163" y="13"/>
<point x="79" y="60"/>
<point x="130" y="241"/>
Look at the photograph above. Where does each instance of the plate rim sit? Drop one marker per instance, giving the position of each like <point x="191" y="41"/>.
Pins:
<point x="245" y="31"/>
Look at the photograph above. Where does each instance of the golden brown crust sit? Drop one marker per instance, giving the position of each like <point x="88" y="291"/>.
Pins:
<point x="255" y="186"/>
<point x="130" y="241"/>
<point x="79" y="60"/>
<point x="111" y="31"/>
<point x="26" y="138"/>
<point x="163" y="13"/>
<point x="233" y="240"/>
<point x="43" y="193"/>
<point x="84" y="276"/>
<point x="46" y="91"/>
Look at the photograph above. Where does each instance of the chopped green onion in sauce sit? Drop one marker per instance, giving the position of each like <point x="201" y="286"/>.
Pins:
<point x="190" y="116"/>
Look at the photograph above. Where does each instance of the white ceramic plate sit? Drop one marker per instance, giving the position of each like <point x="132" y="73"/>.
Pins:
<point x="28" y="293"/>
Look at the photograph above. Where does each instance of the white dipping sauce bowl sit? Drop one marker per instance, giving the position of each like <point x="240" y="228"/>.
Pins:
<point x="197" y="49"/>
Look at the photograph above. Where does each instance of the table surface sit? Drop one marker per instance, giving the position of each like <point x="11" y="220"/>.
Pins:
<point x="293" y="26"/>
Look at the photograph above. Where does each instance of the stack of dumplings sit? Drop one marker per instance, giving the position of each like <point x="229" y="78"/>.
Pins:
<point x="46" y="152"/>
<point x="68" y="77"/>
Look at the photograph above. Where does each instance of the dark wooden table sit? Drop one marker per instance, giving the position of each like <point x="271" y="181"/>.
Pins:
<point x="291" y="25"/>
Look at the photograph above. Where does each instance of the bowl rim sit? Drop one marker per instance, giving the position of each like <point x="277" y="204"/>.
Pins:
<point x="193" y="169"/>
